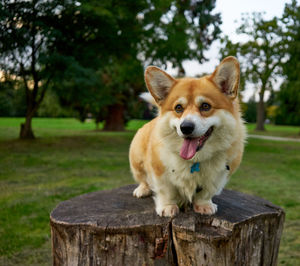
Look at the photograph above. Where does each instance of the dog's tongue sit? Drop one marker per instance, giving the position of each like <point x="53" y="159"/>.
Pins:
<point x="189" y="148"/>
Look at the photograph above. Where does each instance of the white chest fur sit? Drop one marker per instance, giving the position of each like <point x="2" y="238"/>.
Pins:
<point x="182" y="183"/>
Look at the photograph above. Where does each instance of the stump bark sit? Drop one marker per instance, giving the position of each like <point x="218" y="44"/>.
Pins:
<point x="114" y="228"/>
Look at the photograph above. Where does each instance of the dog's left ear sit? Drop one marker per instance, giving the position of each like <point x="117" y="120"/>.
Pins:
<point x="227" y="76"/>
<point x="158" y="83"/>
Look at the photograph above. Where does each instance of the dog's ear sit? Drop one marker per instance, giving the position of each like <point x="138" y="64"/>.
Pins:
<point x="158" y="83"/>
<point x="227" y="76"/>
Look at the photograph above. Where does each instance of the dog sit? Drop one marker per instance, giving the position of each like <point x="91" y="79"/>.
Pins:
<point x="187" y="153"/>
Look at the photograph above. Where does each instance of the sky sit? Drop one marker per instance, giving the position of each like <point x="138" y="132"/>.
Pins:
<point x="231" y="11"/>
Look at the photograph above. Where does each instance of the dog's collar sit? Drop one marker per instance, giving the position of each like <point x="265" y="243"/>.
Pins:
<point x="195" y="167"/>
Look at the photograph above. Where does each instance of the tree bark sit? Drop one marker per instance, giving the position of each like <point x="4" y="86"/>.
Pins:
<point x="260" y="113"/>
<point x="26" y="129"/>
<point x="114" y="228"/>
<point x="114" y="120"/>
<point x="33" y="102"/>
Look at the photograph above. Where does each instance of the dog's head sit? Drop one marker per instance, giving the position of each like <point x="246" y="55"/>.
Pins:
<point x="197" y="114"/>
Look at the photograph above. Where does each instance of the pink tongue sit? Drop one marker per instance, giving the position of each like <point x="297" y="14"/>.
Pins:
<point x="189" y="148"/>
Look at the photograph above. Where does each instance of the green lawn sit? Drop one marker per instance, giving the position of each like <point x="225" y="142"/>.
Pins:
<point x="274" y="130"/>
<point x="70" y="158"/>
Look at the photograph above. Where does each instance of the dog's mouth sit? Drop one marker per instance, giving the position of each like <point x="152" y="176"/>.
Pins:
<point x="191" y="145"/>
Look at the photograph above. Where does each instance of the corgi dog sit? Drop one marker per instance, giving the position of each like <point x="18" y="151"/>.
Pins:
<point x="187" y="153"/>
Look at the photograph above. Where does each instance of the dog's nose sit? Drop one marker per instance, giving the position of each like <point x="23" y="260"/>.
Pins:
<point x="187" y="127"/>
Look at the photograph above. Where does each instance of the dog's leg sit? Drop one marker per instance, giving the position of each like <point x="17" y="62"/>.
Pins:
<point x="140" y="176"/>
<point x="165" y="202"/>
<point x="142" y="190"/>
<point x="202" y="202"/>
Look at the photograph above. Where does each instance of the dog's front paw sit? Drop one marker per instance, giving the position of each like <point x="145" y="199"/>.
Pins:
<point x="206" y="208"/>
<point x="169" y="211"/>
<point x="142" y="191"/>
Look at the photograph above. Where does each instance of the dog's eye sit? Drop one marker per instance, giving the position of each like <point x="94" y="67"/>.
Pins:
<point x="178" y="108"/>
<point x="205" y="107"/>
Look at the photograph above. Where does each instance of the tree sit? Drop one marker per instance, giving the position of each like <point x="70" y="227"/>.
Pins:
<point x="179" y="30"/>
<point x="159" y="32"/>
<point x="99" y="61"/>
<point x="261" y="56"/>
<point x="123" y="81"/>
<point x="92" y="53"/>
<point x="154" y="32"/>
<point x="288" y="97"/>
<point x="25" y="32"/>
<point x="140" y="32"/>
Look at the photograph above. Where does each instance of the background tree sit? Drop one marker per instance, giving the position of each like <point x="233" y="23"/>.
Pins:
<point x="92" y="53"/>
<point x="24" y="34"/>
<point x="138" y="33"/>
<point x="288" y="97"/>
<point x="153" y="32"/>
<point x="98" y="59"/>
<point x="179" y="30"/>
<point x="169" y="31"/>
<point x="261" y="56"/>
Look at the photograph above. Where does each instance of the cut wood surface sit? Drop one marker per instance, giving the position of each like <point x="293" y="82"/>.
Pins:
<point x="114" y="228"/>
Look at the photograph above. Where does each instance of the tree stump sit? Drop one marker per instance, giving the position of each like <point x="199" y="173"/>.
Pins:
<point x="114" y="228"/>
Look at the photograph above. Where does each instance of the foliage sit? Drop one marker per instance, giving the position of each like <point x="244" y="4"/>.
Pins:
<point x="50" y="107"/>
<point x="12" y="97"/>
<point x="261" y="55"/>
<point x="92" y="53"/>
<point x="87" y="38"/>
<point x="288" y="112"/>
<point x="249" y="114"/>
<point x="272" y="112"/>
<point x="178" y="30"/>
<point x="129" y="35"/>
<point x="289" y="95"/>
<point x="272" y="50"/>
<point x="26" y="31"/>
<point x="6" y="98"/>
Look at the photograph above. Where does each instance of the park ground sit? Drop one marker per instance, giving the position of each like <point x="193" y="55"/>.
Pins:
<point x="69" y="158"/>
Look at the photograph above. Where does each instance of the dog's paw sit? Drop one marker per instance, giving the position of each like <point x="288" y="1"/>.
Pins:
<point x="206" y="208"/>
<point x="142" y="191"/>
<point x="169" y="211"/>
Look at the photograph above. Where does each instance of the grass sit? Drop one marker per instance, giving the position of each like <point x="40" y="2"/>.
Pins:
<point x="275" y="130"/>
<point x="70" y="158"/>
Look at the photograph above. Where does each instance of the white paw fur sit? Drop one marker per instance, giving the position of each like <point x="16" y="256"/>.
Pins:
<point x="168" y="211"/>
<point x="142" y="191"/>
<point x="207" y="207"/>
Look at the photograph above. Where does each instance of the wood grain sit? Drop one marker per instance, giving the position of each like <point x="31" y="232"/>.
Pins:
<point x="114" y="228"/>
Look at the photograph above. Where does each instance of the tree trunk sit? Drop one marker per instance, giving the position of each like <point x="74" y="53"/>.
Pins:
<point x="26" y="129"/>
<point x="260" y="113"/>
<point x="114" y="120"/>
<point x="114" y="228"/>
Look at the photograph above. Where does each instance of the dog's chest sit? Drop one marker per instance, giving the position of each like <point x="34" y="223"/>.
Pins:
<point x="185" y="175"/>
<point x="188" y="176"/>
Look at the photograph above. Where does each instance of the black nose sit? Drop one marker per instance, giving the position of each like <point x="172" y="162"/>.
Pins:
<point x="187" y="127"/>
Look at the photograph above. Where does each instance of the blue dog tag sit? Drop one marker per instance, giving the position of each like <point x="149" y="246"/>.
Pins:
<point x="195" y="168"/>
